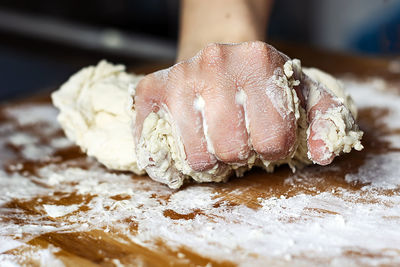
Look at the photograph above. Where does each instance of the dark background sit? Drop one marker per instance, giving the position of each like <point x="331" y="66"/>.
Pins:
<point x="43" y="42"/>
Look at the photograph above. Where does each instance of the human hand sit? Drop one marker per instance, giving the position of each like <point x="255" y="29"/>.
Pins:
<point x="227" y="105"/>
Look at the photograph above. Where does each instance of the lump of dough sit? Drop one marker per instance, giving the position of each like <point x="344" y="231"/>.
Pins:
<point x="97" y="112"/>
<point x="94" y="114"/>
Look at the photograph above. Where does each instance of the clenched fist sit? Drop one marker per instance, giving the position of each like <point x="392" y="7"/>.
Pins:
<point x="233" y="100"/>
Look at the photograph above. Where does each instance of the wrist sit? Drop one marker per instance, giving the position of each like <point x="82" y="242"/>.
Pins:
<point x="220" y="21"/>
<point x="192" y="42"/>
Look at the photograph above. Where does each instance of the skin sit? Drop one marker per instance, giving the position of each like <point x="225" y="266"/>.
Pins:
<point x="216" y="74"/>
<point x="228" y="21"/>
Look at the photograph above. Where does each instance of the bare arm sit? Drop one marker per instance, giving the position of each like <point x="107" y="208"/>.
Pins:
<point x="220" y="21"/>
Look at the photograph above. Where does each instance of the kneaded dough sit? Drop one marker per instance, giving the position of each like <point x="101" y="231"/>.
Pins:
<point x="94" y="113"/>
<point x="97" y="112"/>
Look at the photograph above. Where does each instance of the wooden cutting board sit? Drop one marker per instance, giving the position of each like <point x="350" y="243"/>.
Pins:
<point x="58" y="206"/>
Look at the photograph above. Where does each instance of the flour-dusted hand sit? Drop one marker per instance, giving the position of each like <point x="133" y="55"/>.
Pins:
<point x="225" y="102"/>
<point x="236" y="104"/>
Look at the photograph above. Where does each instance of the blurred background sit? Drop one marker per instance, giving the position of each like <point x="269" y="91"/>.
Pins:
<point x="43" y="42"/>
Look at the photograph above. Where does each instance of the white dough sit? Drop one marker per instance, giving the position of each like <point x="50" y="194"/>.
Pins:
<point x="94" y="114"/>
<point x="97" y="112"/>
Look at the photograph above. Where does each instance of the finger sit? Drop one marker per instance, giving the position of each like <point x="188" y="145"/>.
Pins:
<point x="272" y="124"/>
<point x="181" y="104"/>
<point x="319" y="151"/>
<point x="149" y="96"/>
<point x="319" y="101"/>
<point x="224" y="114"/>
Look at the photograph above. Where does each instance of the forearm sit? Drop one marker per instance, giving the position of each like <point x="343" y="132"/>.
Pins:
<point x="220" y="21"/>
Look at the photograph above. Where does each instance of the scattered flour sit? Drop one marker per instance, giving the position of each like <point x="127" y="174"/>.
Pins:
<point x="335" y="227"/>
<point x="41" y="257"/>
<point x="7" y="243"/>
<point x="33" y="114"/>
<point x="59" y="210"/>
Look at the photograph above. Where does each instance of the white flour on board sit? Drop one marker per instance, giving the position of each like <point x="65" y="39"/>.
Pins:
<point x="304" y="228"/>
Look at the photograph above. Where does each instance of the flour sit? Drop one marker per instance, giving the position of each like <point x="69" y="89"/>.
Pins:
<point x="199" y="105"/>
<point x="241" y="99"/>
<point x="7" y="243"/>
<point x="336" y="226"/>
<point x="59" y="210"/>
<point x="40" y="257"/>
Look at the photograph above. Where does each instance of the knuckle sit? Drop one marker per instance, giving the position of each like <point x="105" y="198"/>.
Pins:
<point x="177" y="73"/>
<point x="143" y="93"/>
<point x="150" y="89"/>
<point x="260" y="45"/>
<point x="260" y="48"/>
<point x="267" y="53"/>
<point x="143" y="84"/>
<point x="212" y="53"/>
<point x="179" y="67"/>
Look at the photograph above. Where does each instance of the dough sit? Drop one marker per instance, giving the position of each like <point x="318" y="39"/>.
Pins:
<point x="97" y="112"/>
<point x="94" y="113"/>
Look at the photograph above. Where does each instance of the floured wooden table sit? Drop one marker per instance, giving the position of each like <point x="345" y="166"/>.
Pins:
<point x="59" y="207"/>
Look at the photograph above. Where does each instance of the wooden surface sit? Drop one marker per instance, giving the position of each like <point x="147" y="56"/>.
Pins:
<point x="128" y="239"/>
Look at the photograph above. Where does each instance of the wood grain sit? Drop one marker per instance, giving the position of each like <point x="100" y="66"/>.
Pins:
<point x="100" y="247"/>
